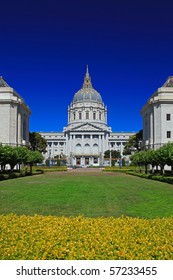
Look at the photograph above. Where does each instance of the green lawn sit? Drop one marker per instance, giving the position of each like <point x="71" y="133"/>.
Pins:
<point x="90" y="194"/>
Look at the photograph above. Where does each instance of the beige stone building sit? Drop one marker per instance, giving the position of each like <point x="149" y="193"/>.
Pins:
<point x="14" y="117"/>
<point x="87" y="135"/>
<point x="157" y="116"/>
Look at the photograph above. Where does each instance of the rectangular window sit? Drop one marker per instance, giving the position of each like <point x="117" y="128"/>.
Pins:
<point x="100" y="116"/>
<point x="94" y="116"/>
<point x="95" y="160"/>
<point x="80" y="115"/>
<point x="168" y="134"/>
<point x="168" y="117"/>
<point x="87" y="115"/>
<point x="78" y="136"/>
<point x="87" y="136"/>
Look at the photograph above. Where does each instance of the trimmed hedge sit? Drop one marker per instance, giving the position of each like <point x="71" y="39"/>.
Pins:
<point x="118" y="169"/>
<point x="51" y="169"/>
<point x="161" y="178"/>
<point x="14" y="175"/>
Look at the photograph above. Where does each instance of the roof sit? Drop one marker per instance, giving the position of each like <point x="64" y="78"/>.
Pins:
<point x="87" y="92"/>
<point x="169" y="82"/>
<point x="3" y="83"/>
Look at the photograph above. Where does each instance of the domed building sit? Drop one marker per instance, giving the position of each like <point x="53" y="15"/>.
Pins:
<point x="87" y="135"/>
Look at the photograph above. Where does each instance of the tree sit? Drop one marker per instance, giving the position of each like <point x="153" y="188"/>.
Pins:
<point x="113" y="155"/>
<point x="140" y="158"/>
<point x="133" y="143"/>
<point x="11" y="156"/>
<point x="22" y="155"/>
<point x="170" y="156"/>
<point x="33" y="158"/>
<point x="152" y="158"/>
<point x="38" y="143"/>
<point x="165" y="156"/>
<point x="2" y="157"/>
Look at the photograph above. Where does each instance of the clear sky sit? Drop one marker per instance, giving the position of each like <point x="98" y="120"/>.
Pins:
<point x="45" y="46"/>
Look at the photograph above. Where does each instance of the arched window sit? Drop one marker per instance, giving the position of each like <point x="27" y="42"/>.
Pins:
<point x="78" y="148"/>
<point x="95" y="149"/>
<point x="87" y="149"/>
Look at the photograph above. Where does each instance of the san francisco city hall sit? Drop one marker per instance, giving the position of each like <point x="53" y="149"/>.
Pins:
<point x="87" y="135"/>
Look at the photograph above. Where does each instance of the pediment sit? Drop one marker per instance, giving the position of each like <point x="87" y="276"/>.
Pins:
<point x="88" y="127"/>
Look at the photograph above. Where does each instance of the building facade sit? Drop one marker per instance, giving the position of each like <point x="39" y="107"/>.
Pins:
<point x="87" y="135"/>
<point x="157" y="117"/>
<point x="14" y="117"/>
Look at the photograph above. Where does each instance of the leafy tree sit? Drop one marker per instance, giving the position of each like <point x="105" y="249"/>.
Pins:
<point x="115" y="155"/>
<point x="170" y="156"/>
<point x="9" y="156"/>
<point x="33" y="158"/>
<point x="23" y="153"/>
<point x="152" y="158"/>
<point x="165" y="156"/>
<point x="2" y="157"/>
<point x="37" y="142"/>
<point x="140" y="158"/>
<point x="133" y="143"/>
<point x="162" y="157"/>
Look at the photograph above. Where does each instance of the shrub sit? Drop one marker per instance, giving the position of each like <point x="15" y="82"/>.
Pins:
<point x="160" y="178"/>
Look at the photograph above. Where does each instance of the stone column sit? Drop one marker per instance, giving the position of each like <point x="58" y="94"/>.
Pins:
<point x="19" y="129"/>
<point x="100" y="148"/>
<point x="82" y="143"/>
<point x="151" y="131"/>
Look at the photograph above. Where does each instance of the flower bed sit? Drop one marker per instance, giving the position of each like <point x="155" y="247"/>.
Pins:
<point x="50" y="237"/>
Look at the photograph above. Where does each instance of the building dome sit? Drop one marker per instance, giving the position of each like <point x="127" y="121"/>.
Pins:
<point x="87" y="92"/>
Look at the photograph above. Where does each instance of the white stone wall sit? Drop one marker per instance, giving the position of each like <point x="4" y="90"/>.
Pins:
<point x="97" y="113"/>
<point x="4" y="123"/>
<point x="14" y="118"/>
<point x="165" y="124"/>
<point x="156" y="127"/>
<point x="97" y="142"/>
<point x="56" y="144"/>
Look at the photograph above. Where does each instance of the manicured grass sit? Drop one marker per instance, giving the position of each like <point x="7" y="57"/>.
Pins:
<point x="90" y="194"/>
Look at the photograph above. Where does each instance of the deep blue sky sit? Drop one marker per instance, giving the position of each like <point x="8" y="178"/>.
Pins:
<point x="46" y="44"/>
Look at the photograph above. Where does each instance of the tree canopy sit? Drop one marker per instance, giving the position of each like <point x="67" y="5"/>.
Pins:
<point x="133" y="143"/>
<point x="18" y="155"/>
<point x="161" y="157"/>
<point x="114" y="154"/>
<point x="37" y="142"/>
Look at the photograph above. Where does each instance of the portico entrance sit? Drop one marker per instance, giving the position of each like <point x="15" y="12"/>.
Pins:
<point x="87" y="161"/>
<point x="78" y="161"/>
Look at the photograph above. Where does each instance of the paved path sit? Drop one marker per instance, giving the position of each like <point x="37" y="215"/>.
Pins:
<point x="82" y="170"/>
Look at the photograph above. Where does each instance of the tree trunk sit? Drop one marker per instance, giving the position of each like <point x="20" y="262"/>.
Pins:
<point x="161" y="169"/>
<point x="172" y="169"/>
<point x="31" y="167"/>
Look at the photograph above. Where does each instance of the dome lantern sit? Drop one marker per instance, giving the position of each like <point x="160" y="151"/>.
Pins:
<point x="87" y="92"/>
